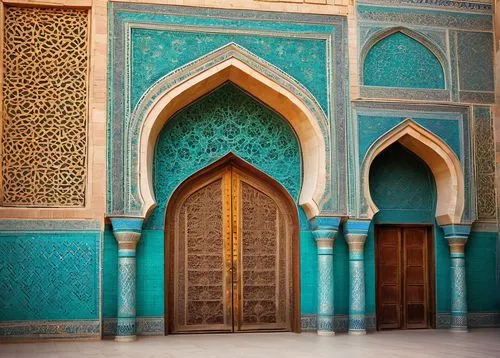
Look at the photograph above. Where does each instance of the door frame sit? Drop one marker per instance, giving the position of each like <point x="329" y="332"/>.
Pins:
<point x="431" y="262"/>
<point x="199" y="177"/>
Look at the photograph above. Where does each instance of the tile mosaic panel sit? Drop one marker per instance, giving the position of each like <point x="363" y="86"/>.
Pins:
<point x="49" y="276"/>
<point x="401" y="61"/>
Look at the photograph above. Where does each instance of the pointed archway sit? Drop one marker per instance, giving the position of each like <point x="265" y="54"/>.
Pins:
<point x="444" y="164"/>
<point x="265" y="82"/>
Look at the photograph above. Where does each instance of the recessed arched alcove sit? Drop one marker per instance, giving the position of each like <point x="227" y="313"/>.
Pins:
<point x="227" y="120"/>
<point x="403" y="242"/>
<point x="400" y="58"/>
<point x="442" y="161"/>
<point x="402" y="186"/>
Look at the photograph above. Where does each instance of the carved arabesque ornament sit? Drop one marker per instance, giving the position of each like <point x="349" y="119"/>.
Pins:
<point x="44" y="141"/>
<point x="484" y="147"/>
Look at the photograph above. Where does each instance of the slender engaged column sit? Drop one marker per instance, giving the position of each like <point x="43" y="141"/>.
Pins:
<point x="127" y="232"/>
<point x="325" y="230"/>
<point x="356" y="232"/>
<point x="457" y="238"/>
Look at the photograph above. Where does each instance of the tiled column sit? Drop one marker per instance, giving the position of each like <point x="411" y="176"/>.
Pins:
<point x="355" y="232"/>
<point x="324" y="230"/>
<point x="457" y="238"/>
<point x="127" y="232"/>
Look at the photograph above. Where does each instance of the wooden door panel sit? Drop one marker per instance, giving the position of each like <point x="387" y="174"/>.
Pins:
<point x="201" y="299"/>
<point x="388" y="278"/>
<point x="263" y="290"/>
<point x="230" y="247"/>
<point x="415" y="281"/>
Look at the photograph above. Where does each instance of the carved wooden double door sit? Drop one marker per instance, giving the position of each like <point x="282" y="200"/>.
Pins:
<point x="404" y="277"/>
<point x="230" y="250"/>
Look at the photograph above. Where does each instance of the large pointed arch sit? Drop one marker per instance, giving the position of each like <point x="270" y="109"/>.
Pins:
<point x="444" y="164"/>
<point x="268" y="84"/>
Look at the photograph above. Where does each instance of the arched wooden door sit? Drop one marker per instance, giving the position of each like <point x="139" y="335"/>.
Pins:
<point x="232" y="253"/>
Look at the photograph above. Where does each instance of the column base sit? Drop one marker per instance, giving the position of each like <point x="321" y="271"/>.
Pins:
<point x="124" y="339"/>
<point x="326" y="333"/>
<point x="357" y="333"/>
<point x="459" y="330"/>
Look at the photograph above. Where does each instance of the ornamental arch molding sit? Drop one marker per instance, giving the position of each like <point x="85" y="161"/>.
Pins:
<point x="265" y="82"/>
<point x="444" y="164"/>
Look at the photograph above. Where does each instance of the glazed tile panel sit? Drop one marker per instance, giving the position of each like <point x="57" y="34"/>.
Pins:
<point x="49" y="276"/>
<point x="400" y="61"/>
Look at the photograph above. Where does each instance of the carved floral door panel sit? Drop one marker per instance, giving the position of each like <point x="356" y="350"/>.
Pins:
<point x="231" y="248"/>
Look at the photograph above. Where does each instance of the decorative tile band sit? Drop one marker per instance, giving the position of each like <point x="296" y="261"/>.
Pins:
<point x="16" y="330"/>
<point x="145" y="326"/>
<point x="483" y="6"/>
<point x="50" y="225"/>
<point x="406" y="93"/>
<point x="475" y="319"/>
<point x="341" y="323"/>
<point x="425" y="17"/>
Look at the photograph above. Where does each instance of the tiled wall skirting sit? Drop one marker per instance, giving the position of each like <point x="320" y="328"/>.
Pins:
<point x="35" y="330"/>
<point x="476" y="320"/>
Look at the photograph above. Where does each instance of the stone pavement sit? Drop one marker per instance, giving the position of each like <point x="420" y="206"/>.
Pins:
<point x="422" y="343"/>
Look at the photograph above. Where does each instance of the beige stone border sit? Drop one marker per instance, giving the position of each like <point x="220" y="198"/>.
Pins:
<point x="440" y="158"/>
<point x="267" y="91"/>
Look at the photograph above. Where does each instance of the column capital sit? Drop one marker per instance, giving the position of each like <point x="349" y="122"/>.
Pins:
<point x="329" y="225"/>
<point x="356" y="227"/>
<point x="457" y="236"/>
<point x="127" y="230"/>
<point x="456" y="231"/>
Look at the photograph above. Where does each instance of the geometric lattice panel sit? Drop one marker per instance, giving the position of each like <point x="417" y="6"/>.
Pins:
<point x="47" y="276"/>
<point x="44" y="141"/>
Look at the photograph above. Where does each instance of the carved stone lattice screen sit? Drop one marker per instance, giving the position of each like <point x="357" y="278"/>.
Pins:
<point x="44" y="141"/>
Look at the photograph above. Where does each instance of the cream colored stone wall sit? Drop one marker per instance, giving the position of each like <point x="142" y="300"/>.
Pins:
<point x="96" y="159"/>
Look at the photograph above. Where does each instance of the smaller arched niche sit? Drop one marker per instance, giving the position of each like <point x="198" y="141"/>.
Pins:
<point x="400" y="60"/>
<point x="402" y="186"/>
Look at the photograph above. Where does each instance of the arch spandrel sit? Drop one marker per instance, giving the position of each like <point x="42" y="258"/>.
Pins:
<point x="268" y="84"/>
<point x="444" y="164"/>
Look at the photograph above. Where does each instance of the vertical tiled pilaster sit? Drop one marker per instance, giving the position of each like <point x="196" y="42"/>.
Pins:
<point x="356" y="232"/>
<point x="457" y="236"/>
<point x="325" y="230"/>
<point x="127" y="232"/>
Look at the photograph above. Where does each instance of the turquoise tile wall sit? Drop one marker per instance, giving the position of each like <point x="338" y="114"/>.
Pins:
<point x="49" y="275"/>
<point x="341" y="275"/>
<point x="150" y="274"/>
<point x="156" y="53"/>
<point x="110" y="274"/>
<point x="480" y="263"/>
<point x="400" y="61"/>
